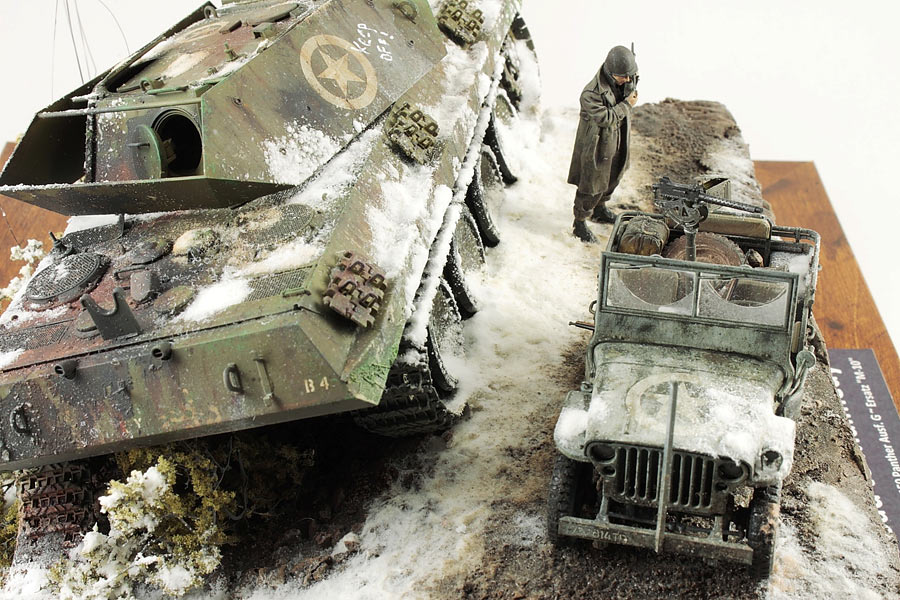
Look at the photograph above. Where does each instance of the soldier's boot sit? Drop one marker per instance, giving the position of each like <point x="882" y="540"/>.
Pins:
<point x="581" y="231"/>
<point x="602" y="214"/>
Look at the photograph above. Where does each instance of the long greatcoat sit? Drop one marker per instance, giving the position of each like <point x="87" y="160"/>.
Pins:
<point x="601" y="142"/>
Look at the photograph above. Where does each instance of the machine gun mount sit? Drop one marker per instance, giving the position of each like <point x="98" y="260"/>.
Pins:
<point x="688" y="206"/>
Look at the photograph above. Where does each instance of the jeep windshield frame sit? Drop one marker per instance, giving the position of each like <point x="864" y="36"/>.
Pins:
<point x="666" y="288"/>
<point x="694" y="316"/>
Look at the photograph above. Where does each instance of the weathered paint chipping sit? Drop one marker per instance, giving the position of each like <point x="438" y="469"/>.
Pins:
<point x="312" y="362"/>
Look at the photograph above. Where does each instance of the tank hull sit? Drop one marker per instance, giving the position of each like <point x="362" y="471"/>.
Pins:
<point x="206" y="320"/>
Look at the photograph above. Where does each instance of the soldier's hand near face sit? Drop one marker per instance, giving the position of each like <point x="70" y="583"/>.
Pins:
<point x="632" y="99"/>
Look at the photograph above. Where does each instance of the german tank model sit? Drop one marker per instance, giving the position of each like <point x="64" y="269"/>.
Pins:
<point x="298" y="190"/>
<point x="682" y="431"/>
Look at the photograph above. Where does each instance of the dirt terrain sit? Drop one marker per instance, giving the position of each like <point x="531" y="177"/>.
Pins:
<point x="479" y="533"/>
<point x="462" y="515"/>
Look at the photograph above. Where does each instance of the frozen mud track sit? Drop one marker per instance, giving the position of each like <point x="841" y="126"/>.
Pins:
<point x="463" y="515"/>
<point x="475" y="527"/>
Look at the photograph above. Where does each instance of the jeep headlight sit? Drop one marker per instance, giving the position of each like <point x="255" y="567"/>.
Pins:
<point x="732" y="473"/>
<point x="602" y="453"/>
<point x="770" y="460"/>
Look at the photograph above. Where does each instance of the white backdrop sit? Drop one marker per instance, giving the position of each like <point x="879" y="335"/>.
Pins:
<point x="805" y="80"/>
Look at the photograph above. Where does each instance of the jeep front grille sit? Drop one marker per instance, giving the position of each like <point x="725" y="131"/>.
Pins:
<point x="637" y="473"/>
<point x="636" y="480"/>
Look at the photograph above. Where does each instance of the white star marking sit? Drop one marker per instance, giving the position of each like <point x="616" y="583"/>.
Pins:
<point x="338" y="71"/>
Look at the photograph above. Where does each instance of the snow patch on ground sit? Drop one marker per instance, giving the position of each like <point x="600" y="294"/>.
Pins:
<point x="728" y="158"/>
<point x="844" y="560"/>
<point x="528" y="529"/>
<point x="27" y="580"/>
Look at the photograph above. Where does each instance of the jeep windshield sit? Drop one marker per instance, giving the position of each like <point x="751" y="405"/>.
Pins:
<point x="699" y="292"/>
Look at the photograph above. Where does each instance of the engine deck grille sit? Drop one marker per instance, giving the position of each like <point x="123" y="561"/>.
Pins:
<point x="272" y="285"/>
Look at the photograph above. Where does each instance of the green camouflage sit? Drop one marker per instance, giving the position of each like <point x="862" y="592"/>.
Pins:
<point x="253" y="136"/>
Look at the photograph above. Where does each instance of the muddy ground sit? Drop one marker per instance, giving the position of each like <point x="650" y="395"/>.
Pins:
<point x="352" y="472"/>
<point x="296" y="547"/>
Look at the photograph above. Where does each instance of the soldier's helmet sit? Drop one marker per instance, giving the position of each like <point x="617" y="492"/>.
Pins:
<point x="620" y="61"/>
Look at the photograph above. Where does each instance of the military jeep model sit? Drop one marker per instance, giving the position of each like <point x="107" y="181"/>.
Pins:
<point x="682" y="431"/>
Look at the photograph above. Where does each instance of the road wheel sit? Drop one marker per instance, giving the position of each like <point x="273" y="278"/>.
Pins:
<point x="517" y="47"/>
<point x="493" y="142"/>
<point x="466" y="256"/>
<point x="481" y="212"/>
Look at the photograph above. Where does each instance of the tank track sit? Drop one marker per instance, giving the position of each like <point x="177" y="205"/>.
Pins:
<point x="56" y="499"/>
<point x="410" y="405"/>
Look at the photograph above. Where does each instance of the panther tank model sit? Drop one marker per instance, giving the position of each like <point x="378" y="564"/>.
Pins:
<point x="683" y="430"/>
<point x="292" y="195"/>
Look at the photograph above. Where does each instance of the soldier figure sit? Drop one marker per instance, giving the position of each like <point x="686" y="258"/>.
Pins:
<point x="600" y="156"/>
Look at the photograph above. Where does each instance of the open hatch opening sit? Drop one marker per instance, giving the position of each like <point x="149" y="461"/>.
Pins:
<point x="182" y="145"/>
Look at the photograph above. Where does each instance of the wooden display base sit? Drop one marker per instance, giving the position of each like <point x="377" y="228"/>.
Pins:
<point x="844" y="308"/>
<point x="27" y="222"/>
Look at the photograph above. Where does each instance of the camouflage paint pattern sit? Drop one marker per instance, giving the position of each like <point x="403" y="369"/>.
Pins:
<point x="280" y="354"/>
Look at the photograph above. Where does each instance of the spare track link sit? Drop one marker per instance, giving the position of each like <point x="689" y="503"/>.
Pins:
<point x="410" y="405"/>
<point x="356" y="288"/>
<point x="56" y="498"/>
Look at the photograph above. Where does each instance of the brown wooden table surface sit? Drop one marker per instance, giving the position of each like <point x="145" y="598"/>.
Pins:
<point x="22" y="221"/>
<point x="844" y="308"/>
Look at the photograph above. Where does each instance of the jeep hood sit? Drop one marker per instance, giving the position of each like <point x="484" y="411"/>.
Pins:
<point x="725" y="406"/>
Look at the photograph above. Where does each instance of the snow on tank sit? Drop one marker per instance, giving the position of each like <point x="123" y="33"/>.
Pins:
<point x="226" y="106"/>
<point x="297" y="193"/>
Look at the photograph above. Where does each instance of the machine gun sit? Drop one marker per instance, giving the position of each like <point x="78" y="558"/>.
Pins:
<point x="688" y="206"/>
